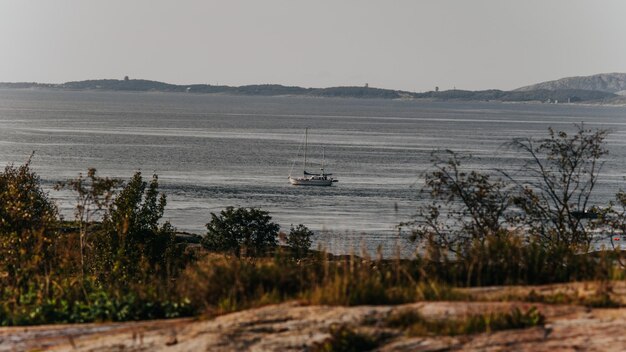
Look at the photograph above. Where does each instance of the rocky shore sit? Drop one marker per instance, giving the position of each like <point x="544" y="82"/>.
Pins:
<point x="293" y="326"/>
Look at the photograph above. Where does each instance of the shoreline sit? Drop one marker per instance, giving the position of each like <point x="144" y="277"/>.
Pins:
<point x="620" y="101"/>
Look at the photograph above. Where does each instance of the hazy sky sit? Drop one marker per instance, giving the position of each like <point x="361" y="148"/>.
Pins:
<point x="411" y="45"/>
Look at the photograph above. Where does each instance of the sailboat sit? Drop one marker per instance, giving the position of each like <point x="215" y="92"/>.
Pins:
<point x="308" y="178"/>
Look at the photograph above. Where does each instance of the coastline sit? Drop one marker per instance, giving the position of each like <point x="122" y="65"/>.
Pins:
<point x="619" y="102"/>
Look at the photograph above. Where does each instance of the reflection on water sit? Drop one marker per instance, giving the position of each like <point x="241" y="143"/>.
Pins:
<point x="216" y="151"/>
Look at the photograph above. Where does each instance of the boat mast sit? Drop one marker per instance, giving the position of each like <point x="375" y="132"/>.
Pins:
<point x="306" y="135"/>
<point x="323" y="159"/>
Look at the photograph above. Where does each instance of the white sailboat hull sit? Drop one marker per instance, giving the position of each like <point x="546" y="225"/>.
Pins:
<point x="308" y="181"/>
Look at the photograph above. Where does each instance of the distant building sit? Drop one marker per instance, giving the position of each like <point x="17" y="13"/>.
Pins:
<point x="126" y="78"/>
<point x="367" y="85"/>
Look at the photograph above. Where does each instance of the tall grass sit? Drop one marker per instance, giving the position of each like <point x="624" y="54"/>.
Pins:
<point x="219" y="283"/>
<point x="514" y="259"/>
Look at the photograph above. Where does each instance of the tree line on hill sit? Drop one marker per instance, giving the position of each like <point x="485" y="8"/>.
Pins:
<point x="139" y="85"/>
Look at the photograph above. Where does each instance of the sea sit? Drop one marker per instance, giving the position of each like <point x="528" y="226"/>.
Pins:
<point x="215" y="151"/>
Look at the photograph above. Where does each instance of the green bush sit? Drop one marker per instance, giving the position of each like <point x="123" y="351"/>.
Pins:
<point x="242" y="231"/>
<point x="28" y="222"/>
<point x="98" y="305"/>
<point x="299" y="240"/>
<point x="132" y="242"/>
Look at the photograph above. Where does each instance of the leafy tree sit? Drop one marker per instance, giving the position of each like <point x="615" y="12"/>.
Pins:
<point x="299" y="240"/>
<point x="243" y="231"/>
<point x="561" y="174"/>
<point x="133" y="242"/>
<point x="93" y="194"/>
<point x="462" y="206"/>
<point x="549" y="197"/>
<point x="28" y="222"/>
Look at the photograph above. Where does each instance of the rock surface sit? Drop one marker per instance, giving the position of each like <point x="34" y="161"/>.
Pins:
<point x="295" y="327"/>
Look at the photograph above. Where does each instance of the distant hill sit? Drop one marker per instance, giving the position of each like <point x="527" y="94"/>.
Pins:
<point x="141" y="85"/>
<point x="542" y="92"/>
<point x="541" y="95"/>
<point x="604" y="82"/>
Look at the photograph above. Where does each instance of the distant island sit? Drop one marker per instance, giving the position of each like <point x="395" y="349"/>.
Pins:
<point x="607" y="88"/>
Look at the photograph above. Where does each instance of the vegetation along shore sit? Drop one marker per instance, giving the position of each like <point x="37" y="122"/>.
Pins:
<point x="118" y="261"/>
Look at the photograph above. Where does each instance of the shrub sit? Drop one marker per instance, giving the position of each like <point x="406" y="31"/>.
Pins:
<point x="462" y="206"/>
<point x="241" y="231"/>
<point x="133" y="242"/>
<point x="98" y="304"/>
<point x="551" y="193"/>
<point x="27" y="227"/>
<point x="93" y="195"/>
<point x="528" y="227"/>
<point x="562" y="172"/>
<point x="299" y="240"/>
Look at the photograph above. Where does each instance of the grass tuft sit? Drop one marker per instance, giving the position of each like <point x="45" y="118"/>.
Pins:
<point x="414" y="324"/>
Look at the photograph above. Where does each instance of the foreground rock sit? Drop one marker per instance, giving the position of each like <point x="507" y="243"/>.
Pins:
<point x="294" y="327"/>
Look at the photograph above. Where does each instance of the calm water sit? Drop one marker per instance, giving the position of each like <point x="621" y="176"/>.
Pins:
<point x="216" y="151"/>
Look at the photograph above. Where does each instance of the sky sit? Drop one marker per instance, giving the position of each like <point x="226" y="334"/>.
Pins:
<point x="396" y="44"/>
